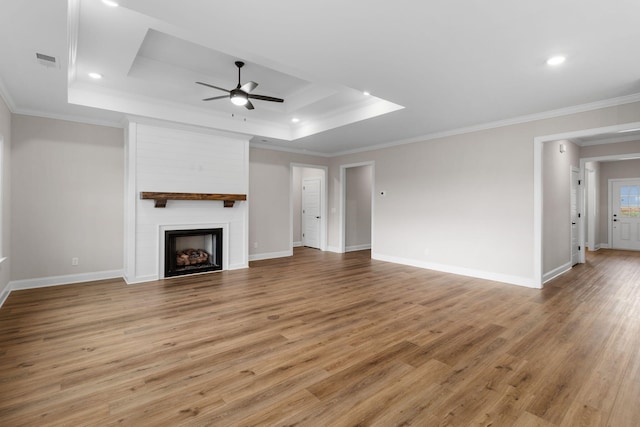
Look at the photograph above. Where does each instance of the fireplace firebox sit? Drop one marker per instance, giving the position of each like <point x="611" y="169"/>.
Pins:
<point x="192" y="251"/>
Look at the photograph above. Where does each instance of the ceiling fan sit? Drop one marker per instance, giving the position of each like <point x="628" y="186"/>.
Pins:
<point x="241" y="95"/>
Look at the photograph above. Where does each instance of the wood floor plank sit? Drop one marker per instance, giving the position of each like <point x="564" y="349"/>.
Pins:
<point x="327" y="339"/>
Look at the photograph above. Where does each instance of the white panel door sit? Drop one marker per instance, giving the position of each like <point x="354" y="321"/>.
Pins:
<point x="625" y="214"/>
<point x="311" y="212"/>
<point x="575" y="241"/>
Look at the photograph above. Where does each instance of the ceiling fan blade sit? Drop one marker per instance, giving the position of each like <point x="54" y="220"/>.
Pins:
<point x="216" y="97"/>
<point x="249" y="86"/>
<point x="266" y="98"/>
<point x="249" y="105"/>
<point x="212" y="86"/>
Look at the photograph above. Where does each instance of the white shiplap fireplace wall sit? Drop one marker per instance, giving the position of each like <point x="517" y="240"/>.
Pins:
<point x="183" y="160"/>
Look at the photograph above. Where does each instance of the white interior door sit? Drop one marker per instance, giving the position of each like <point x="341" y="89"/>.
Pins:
<point x="625" y="214"/>
<point x="311" y="209"/>
<point x="575" y="240"/>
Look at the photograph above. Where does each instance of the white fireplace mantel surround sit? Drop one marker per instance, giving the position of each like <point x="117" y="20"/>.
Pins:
<point x="162" y="157"/>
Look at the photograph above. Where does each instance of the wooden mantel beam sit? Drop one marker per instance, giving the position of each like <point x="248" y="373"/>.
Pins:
<point x="161" y="198"/>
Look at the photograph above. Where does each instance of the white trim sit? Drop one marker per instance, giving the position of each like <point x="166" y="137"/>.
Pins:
<point x="528" y="282"/>
<point x="141" y="279"/>
<point x="357" y="248"/>
<point x="580" y="209"/>
<point x="130" y="173"/>
<point x="270" y="255"/>
<point x="69" y="279"/>
<point x="556" y="272"/>
<point x="264" y="146"/>
<point x="605" y="246"/>
<point x="4" y="295"/>
<point x="334" y="249"/>
<point x="6" y="96"/>
<point x="296" y="244"/>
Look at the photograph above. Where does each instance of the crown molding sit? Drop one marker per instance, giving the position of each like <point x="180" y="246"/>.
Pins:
<point x="69" y="118"/>
<point x="4" y="94"/>
<point x="629" y="99"/>
<point x="253" y="144"/>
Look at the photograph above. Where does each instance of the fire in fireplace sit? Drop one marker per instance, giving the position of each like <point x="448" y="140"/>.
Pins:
<point x="192" y="251"/>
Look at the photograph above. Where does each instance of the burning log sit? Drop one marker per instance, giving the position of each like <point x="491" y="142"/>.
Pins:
<point x="191" y="257"/>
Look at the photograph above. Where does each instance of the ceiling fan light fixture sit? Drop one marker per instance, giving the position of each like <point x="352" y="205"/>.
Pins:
<point x="556" y="60"/>
<point x="239" y="98"/>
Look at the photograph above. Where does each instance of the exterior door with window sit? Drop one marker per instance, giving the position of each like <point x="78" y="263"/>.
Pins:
<point x="625" y="214"/>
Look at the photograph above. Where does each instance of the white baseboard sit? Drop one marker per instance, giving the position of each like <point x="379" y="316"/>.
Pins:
<point x="605" y="246"/>
<point x="141" y="279"/>
<point x="43" y="282"/>
<point x="270" y="255"/>
<point x="4" y="295"/>
<point x="297" y="244"/>
<point x="556" y="272"/>
<point x="334" y="249"/>
<point x="357" y="248"/>
<point x="528" y="282"/>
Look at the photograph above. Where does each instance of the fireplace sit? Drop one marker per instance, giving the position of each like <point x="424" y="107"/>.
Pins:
<point x="192" y="251"/>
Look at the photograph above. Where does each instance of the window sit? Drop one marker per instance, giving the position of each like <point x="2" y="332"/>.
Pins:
<point x="630" y="201"/>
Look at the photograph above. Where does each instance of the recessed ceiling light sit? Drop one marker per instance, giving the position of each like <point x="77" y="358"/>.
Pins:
<point x="295" y="120"/>
<point x="556" y="60"/>
<point x="96" y="76"/>
<point x="110" y="3"/>
<point x="365" y="93"/>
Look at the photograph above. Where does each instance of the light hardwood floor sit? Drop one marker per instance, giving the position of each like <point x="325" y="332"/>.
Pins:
<point x="324" y="339"/>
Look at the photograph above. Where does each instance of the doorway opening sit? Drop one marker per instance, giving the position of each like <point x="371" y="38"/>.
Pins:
<point x="309" y="213"/>
<point x="583" y="138"/>
<point x="356" y="207"/>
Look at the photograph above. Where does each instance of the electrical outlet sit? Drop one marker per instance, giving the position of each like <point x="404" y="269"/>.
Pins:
<point x="75" y="261"/>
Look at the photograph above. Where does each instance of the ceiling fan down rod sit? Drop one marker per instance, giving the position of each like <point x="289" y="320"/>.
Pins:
<point x="239" y="64"/>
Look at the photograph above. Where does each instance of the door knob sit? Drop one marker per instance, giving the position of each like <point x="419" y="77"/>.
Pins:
<point x="317" y="217"/>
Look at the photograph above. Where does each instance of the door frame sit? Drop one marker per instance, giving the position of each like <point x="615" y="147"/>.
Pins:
<point x="323" y="202"/>
<point x="538" y="168"/>
<point x="609" y="207"/>
<point x="579" y="222"/>
<point x="343" y="203"/>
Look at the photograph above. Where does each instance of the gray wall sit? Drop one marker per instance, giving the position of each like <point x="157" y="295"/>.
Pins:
<point x="5" y="182"/>
<point x="463" y="202"/>
<point x="269" y="198"/>
<point x="66" y="199"/>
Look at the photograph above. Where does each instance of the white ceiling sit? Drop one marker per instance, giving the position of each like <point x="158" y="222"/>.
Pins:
<point x="431" y="67"/>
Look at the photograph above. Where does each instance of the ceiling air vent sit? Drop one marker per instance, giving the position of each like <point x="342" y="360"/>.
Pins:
<point x="46" y="60"/>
